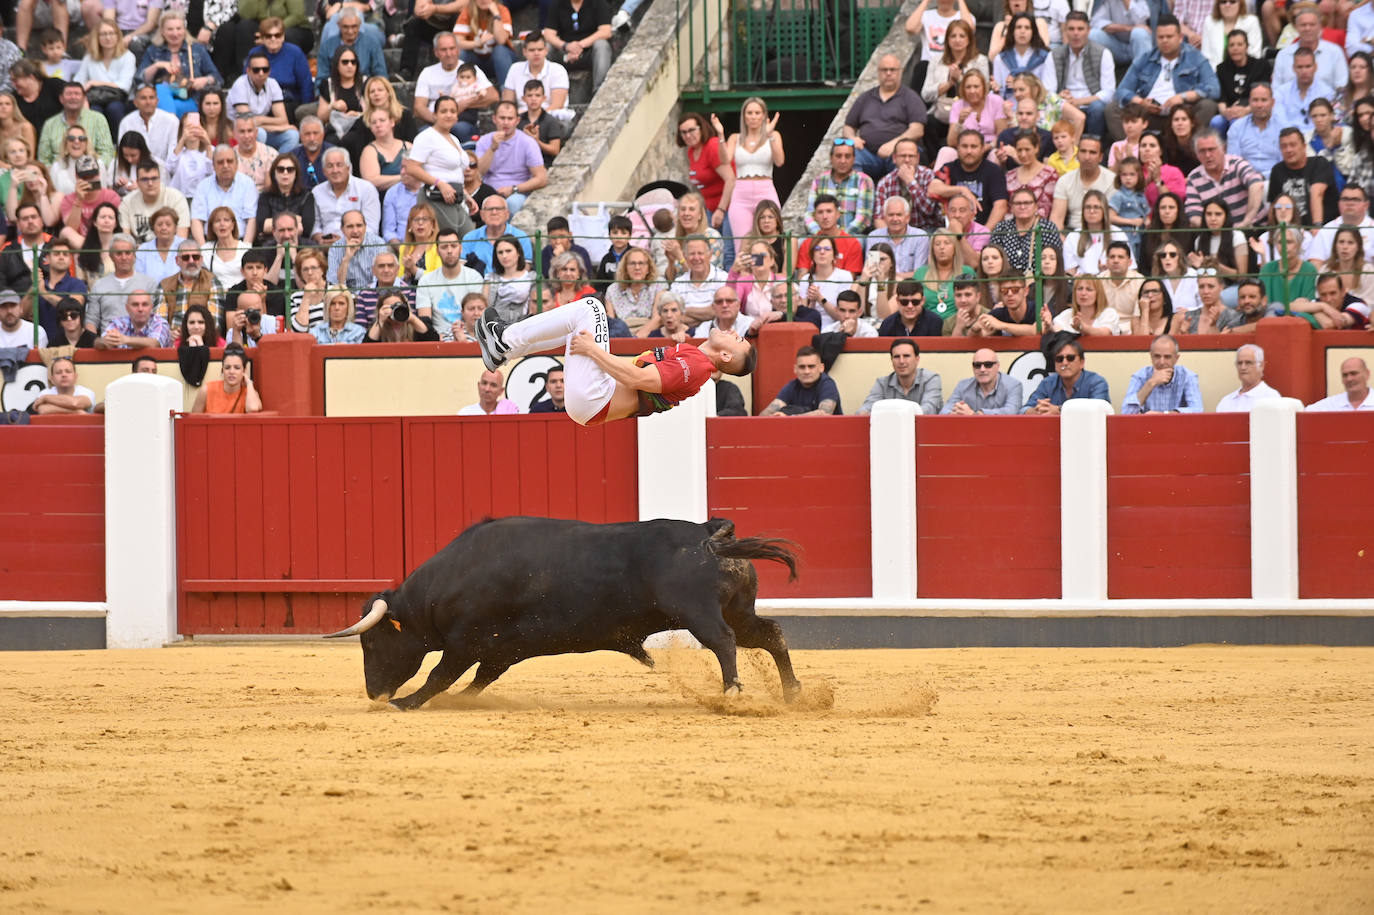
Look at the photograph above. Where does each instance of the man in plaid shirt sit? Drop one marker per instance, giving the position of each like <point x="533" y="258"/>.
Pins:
<point x="853" y="189"/>
<point x="910" y="180"/>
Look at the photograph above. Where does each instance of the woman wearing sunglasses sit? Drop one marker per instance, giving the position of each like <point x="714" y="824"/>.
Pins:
<point x="286" y="192"/>
<point x="1178" y="278"/>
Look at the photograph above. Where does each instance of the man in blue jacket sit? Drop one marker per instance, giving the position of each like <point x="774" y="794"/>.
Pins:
<point x="1174" y="74"/>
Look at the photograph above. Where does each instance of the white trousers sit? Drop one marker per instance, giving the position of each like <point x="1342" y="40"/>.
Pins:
<point x="587" y="387"/>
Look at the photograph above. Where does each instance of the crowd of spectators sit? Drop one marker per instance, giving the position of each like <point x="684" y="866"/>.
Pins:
<point x="1119" y="169"/>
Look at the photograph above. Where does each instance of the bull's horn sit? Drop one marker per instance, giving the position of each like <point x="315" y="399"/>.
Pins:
<point x="374" y="616"/>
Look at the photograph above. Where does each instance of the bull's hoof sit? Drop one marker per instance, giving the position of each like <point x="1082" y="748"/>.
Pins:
<point x="791" y="692"/>
<point x="732" y="691"/>
<point x="398" y="707"/>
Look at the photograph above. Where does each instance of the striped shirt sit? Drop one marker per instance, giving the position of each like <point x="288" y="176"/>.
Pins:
<point x="1236" y="177"/>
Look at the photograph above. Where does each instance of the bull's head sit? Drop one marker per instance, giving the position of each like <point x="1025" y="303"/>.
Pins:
<point x="392" y="653"/>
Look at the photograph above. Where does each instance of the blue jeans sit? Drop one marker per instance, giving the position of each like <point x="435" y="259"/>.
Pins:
<point x="1136" y="45"/>
<point x="727" y="239"/>
<point x="495" y="65"/>
<point x="283" y="141"/>
<point x="871" y="164"/>
<point x="1095" y="116"/>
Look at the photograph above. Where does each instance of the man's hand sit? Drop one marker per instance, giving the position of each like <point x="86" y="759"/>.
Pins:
<point x="1043" y="407"/>
<point x="885" y="151"/>
<point x="114" y="337"/>
<point x="1162" y="376"/>
<point x="906" y="174"/>
<point x="988" y="324"/>
<point x="961" y="409"/>
<point x="572" y="51"/>
<point x="235" y="320"/>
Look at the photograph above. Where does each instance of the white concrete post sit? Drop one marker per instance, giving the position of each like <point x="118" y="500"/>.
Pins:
<point x="140" y="512"/>
<point x="672" y="459"/>
<point x="1274" y="499"/>
<point x="892" y="498"/>
<point x="1083" y="499"/>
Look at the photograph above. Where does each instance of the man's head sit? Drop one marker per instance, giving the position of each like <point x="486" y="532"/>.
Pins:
<point x="826" y="212"/>
<point x="254" y="264"/>
<point x="312" y="134"/>
<point x="149" y="180"/>
<point x="1353" y="204"/>
<point x="842" y="157"/>
<point x="30" y="220"/>
<point x="1075" y="30"/>
<point x="145" y="365"/>
<point x="725" y="306"/>
<point x="1168" y="37"/>
<point x="1308" y="21"/>
<point x="11" y="311"/>
<point x="966" y="295"/>
<point x="226" y="164"/>
<point x="59" y="257"/>
<point x="969" y="146"/>
<point x="385" y="267"/>
<point x="889" y="73"/>
<point x="139" y="305"/>
<point x="848" y="305"/>
<point x="985" y="366"/>
<point x="189" y="259"/>
<point x="1210" y="149"/>
<point x="896" y="216"/>
<point x="911" y="300"/>
<point x="906" y="152"/>
<point x="554" y="385"/>
<point x="960" y="210"/>
<point x="450" y="248"/>
<point x="906" y="357"/>
<point x="1118" y="259"/>
<point x="62" y="374"/>
<point x="808" y="366"/>
<point x="338" y="166"/>
<point x="536" y="50"/>
<point x="246" y="136"/>
<point x="123" y="249"/>
<point x="286" y="228"/>
<point x="697" y="251"/>
<point x="1293" y="148"/>
<point x="1164" y="352"/>
<point x="73" y="99"/>
<point x="495" y="213"/>
<point x="446" y="49"/>
<point x="1250" y="298"/>
<point x="145" y="100"/>
<point x="1011" y="292"/>
<point x="350" y="25"/>
<point x="1304" y="67"/>
<point x="1027" y="115"/>
<point x="258" y="69"/>
<point x="1355" y="377"/>
<point x="505" y="117"/>
<point x="1261" y="102"/>
<point x="251" y="301"/>
<point x="1249" y="366"/>
<point x="1068" y="360"/>
<point x="533" y="94"/>
<point x="1331" y="290"/>
<point x="354" y="226"/>
<point x="1089" y="151"/>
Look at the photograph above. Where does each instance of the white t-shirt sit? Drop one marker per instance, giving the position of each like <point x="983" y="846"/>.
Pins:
<point x="1053" y="12"/>
<point x="554" y="76"/>
<point x="934" y="24"/>
<point x="436" y="82"/>
<point x="78" y="391"/>
<point x="23" y="336"/>
<point x="1243" y="402"/>
<point x="830" y="289"/>
<point x="1340" y="403"/>
<point x="441" y="157"/>
<point x="742" y="324"/>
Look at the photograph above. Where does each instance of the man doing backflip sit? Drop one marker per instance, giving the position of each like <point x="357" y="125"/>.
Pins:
<point x="600" y="387"/>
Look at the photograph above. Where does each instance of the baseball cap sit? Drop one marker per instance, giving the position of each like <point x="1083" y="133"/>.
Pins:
<point x="9" y="295"/>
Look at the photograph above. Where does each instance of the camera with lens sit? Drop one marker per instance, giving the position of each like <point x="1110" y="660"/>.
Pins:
<point x="400" y="313"/>
<point x="253" y="315"/>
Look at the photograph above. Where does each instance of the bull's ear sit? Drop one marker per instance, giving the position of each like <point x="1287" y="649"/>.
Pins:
<point x="395" y="622"/>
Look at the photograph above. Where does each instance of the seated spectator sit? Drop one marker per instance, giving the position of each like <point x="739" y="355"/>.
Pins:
<point x="1163" y="386"/>
<point x="1355" y="379"/>
<point x="340" y="324"/>
<point x="491" y="399"/>
<point x="977" y="109"/>
<point x="437" y="160"/>
<point x="439" y="293"/>
<point x="1020" y="233"/>
<point x="882" y="116"/>
<point x="1211" y="316"/>
<point x="107" y="74"/>
<point x="1122" y="27"/>
<point x="909" y="181"/>
<point x="668" y="321"/>
<point x="1025" y="51"/>
<point x="910" y="247"/>
<point x="618" y="229"/>
<point x="1330" y="57"/>
<point x="1070" y="380"/>
<point x="1288" y="276"/>
<point x="1085" y="72"/>
<point x="876" y="284"/>
<point x="510" y="281"/>
<point x="1090" y="312"/>
<point x="726" y="315"/>
<point x="1121" y="285"/>
<point x="1025" y="120"/>
<point x="1252" y="305"/>
<point x="484" y="37"/>
<point x="286" y="232"/>
<point x="824" y="282"/>
<point x="579" y="32"/>
<point x="78" y="210"/>
<point x="234" y="392"/>
<point x="959" y="53"/>
<point x="192" y="284"/>
<point x="1352" y="211"/>
<point x="1335" y="308"/>
<point x="74" y="113"/>
<point x="393" y="326"/>
<point x="554" y="385"/>
<point x="386" y="268"/>
<point x="253" y="266"/>
<point x="848" y="250"/>
<point x="137" y="209"/>
<point x="1227" y="177"/>
<point x="962" y="321"/>
<point x="911" y="319"/>
<point x="568" y="280"/>
<point x="510" y="160"/>
<point x="245" y="324"/>
<point x="345" y="30"/>
<point x="697" y="286"/>
<point x="970" y="235"/>
<point x="811" y="393"/>
<point x="227" y="187"/>
<point x="988" y="392"/>
<point x="1308" y="180"/>
<point x="907" y="380"/>
<point x="561" y="241"/>
<point x="285" y="193"/>
<point x="139" y="328"/>
<point x="194" y="338"/>
<point x="1027" y="171"/>
<point x="350" y="258"/>
<point x="536" y="67"/>
<point x="547" y="131"/>
<point x="341" y="192"/>
<point x="397" y="205"/>
<point x="1227" y="19"/>
<point x="1240" y="70"/>
<point x="286" y="58"/>
<point x="179" y="67"/>
<point x="1013" y="316"/>
<point x="945" y="267"/>
<point x="1180" y="280"/>
<point x="37" y="96"/>
<point x="973" y="177"/>
<point x="848" y="322"/>
<point x="310" y="154"/>
<point x="1170" y="76"/>
<point x="1250" y="373"/>
<point x="469" y="88"/>
<point x="257" y="99"/>
<point x="307" y="300"/>
<point x="429" y="19"/>
<point x="1072" y="186"/>
<point x="63" y="396"/>
<point x="1255" y="136"/>
<point x="14" y="330"/>
<point x="55" y="12"/>
<point x="851" y="191"/>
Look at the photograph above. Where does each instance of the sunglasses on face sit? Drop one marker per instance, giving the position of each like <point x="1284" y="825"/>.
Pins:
<point x="348" y="61"/>
<point x="69" y="316"/>
<point x="286" y="169"/>
<point x="1063" y="358"/>
<point x="270" y="35"/>
<point x="259" y="69"/>
<point x="910" y="300"/>
<point x="1164" y="254"/>
<point x="985" y="365"/>
<point x="76" y="138"/>
<point x="188" y="258"/>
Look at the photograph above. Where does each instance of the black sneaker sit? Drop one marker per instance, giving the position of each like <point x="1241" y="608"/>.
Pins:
<point x="489" y="330"/>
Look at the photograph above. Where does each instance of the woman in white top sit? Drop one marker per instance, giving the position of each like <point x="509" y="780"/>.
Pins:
<point x="825" y="282"/>
<point x="1026" y="53"/>
<point x="1180" y="281"/>
<point x="1227" y="16"/>
<point x="189" y="163"/>
<point x="108" y="65"/>
<point x="997" y="41"/>
<point x="928" y="26"/>
<point x="157" y="257"/>
<point x="75" y="144"/>
<point x="755" y="151"/>
<point x="634" y="294"/>
<point x="1085" y="250"/>
<point x="438" y="161"/>
<point x="224" y="253"/>
<point x="510" y="282"/>
<point x="1090" y="313"/>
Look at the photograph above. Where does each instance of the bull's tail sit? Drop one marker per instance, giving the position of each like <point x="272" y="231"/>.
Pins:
<point x="773" y="549"/>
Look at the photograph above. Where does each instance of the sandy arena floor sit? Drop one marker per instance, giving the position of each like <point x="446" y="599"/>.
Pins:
<point x="260" y="779"/>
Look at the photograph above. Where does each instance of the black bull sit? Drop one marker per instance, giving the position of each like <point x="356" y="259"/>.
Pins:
<point x="517" y="588"/>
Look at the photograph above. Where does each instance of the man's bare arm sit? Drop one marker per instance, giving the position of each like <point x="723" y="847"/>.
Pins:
<point x="640" y="378"/>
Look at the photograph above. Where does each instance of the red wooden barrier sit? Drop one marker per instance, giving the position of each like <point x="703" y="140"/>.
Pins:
<point x="987" y="506"/>
<point x="52" y="519"/>
<point x="284" y="525"/>
<point x="460" y="470"/>
<point x="805" y="478"/>
<point x="1335" y="505"/>
<point x="1178" y="497"/>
